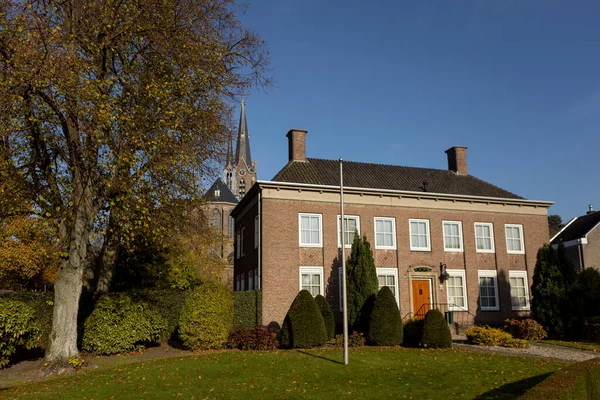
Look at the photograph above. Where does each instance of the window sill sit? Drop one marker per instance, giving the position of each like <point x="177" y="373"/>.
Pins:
<point x="454" y="250"/>
<point x="485" y="251"/>
<point x="420" y="249"/>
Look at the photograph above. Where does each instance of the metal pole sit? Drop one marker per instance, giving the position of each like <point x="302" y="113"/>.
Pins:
<point x="343" y="234"/>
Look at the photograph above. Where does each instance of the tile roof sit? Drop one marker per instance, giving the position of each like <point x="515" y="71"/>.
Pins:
<point x="578" y="228"/>
<point x="390" y="177"/>
<point x="225" y="194"/>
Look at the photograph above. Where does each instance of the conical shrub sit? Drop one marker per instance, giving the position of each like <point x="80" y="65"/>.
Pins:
<point x="385" y="323"/>
<point x="327" y="315"/>
<point x="436" y="333"/>
<point x="303" y="326"/>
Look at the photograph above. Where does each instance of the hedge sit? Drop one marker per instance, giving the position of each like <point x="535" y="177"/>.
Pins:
<point x="120" y="324"/>
<point x="327" y="315"/>
<point x="385" y="323"/>
<point x="247" y="309"/>
<point x="303" y="326"/>
<point x="206" y="317"/>
<point x="43" y="304"/>
<point x="413" y="332"/>
<point x="18" y="329"/>
<point x="574" y="382"/>
<point x="436" y="333"/>
<point x="168" y="303"/>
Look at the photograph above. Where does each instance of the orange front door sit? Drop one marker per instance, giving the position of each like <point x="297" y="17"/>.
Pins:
<point x="421" y="297"/>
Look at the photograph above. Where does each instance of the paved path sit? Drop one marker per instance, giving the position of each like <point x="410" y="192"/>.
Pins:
<point x="536" y="350"/>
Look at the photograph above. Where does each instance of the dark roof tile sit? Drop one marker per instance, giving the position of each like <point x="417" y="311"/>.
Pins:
<point x="578" y="228"/>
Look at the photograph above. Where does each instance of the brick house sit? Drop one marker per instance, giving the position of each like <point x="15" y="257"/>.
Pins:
<point x="439" y="237"/>
<point x="581" y="238"/>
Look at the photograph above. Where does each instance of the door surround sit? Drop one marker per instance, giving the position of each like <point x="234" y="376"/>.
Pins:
<point x="423" y="272"/>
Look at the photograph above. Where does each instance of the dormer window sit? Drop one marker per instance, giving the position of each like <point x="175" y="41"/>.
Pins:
<point x="217" y="193"/>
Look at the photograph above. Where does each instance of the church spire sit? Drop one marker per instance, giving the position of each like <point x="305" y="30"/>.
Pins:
<point x="242" y="148"/>
<point x="229" y="159"/>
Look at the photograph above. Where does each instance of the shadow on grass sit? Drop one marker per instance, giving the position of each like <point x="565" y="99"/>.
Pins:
<point x="321" y="357"/>
<point x="514" y="389"/>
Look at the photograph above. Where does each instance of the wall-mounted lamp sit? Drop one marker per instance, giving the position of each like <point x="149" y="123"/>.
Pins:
<point x="444" y="275"/>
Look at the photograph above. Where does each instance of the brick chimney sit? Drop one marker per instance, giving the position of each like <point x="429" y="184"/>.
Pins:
<point x="590" y="209"/>
<point x="297" y="145"/>
<point x="457" y="159"/>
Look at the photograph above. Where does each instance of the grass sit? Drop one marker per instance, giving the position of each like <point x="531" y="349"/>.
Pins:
<point x="312" y="374"/>
<point x="593" y="346"/>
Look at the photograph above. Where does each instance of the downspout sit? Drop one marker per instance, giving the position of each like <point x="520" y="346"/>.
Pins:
<point x="580" y="245"/>
<point x="259" y="277"/>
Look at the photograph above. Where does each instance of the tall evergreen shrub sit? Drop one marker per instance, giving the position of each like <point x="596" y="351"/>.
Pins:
<point x="362" y="283"/>
<point x="327" y="315"/>
<point x="385" y="323"/>
<point x="303" y="326"/>
<point x="436" y="333"/>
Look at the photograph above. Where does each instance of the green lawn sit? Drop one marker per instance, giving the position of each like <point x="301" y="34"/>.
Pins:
<point x="313" y="374"/>
<point x="593" y="346"/>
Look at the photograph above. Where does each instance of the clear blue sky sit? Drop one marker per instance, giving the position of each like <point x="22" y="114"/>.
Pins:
<point x="399" y="82"/>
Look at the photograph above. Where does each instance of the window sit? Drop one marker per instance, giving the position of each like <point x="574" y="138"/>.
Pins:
<point x="488" y="290"/>
<point x="230" y="225"/>
<point x="351" y="225"/>
<point x="455" y="286"/>
<point x="311" y="232"/>
<point x="251" y="280"/>
<point x="484" y="237"/>
<point x="242" y="188"/>
<point x="244" y="281"/>
<point x="452" y="236"/>
<point x="519" y="291"/>
<point x="256" y="232"/>
<point x="215" y="218"/>
<point x="514" y="239"/>
<point x="419" y="235"/>
<point x="389" y="277"/>
<point x="311" y="279"/>
<point x="385" y="233"/>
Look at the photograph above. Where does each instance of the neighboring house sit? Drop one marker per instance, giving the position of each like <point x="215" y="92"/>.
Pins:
<point x="581" y="238"/>
<point x="438" y="236"/>
<point x="224" y="194"/>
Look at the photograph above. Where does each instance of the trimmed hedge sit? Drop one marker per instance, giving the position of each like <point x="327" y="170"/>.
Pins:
<point x="119" y="324"/>
<point x="574" y="382"/>
<point x="18" y="329"/>
<point x="206" y="317"/>
<point x="385" y="324"/>
<point x="247" y="309"/>
<point x="413" y="332"/>
<point x="168" y="303"/>
<point x="327" y="315"/>
<point x="258" y="338"/>
<point x="303" y="326"/>
<point x="43" y="304"/>
<point x="436" y="333"/>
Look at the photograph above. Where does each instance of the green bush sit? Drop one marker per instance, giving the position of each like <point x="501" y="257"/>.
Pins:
<point x="43" y="305"/>
<point x="413" y="332"/>
<point x="436" y="333"/>
<point x="168" y="303"/>
<point x="18" y="328"/>
<point x="247" y="309"/>
<point x="591" y="328"/>
<point x="486" y="336"/>
<point x="206" y="317"/>
<point x="119" y="324"/>
<point x="355" y="339"/>
<point x="580" y="381"/>
<point x="527" y="329"/>
<point x="589" y="281"/>
<point x="327" y="315"/>
<point x="385" y="323"/>
<point x="303" y="326"/>
<point x="362" y="283"/>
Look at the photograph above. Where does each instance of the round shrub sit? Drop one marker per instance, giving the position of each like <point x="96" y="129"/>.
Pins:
<point x="327" y="315"/>
<point x="206" y="317"/>
<point x="413" y="332"/>
<point x="303" y="326"/>
<point x="18" y="328"/>
<point x="436" y="333"/>
<point x="527" y="329"/>
<point x="385" y="323"/>
<point x="119" y="324"/>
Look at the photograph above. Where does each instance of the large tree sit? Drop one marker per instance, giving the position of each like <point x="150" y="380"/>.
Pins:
<point x="111" y="109"/>
<point x="362" y="283"/>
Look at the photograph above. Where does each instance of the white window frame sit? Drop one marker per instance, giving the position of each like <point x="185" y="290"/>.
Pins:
<point x="521" y="240"/>
<point x="460" y="236"/>
<point x="483" y="273"/>
<point x="461" y="273"/>
<point x="311" y="270"/>
<point x="390" y="272"/>
<point x="339" y="238"/>
<point x="412" y="248"/>
<point x="256" y="232"/>
<point x="320" y="217"/>
<point x="491" y="225"/>
<point x="519" y="274"/>
<point x="382" y="247"/>
<point x="230" y="226"/>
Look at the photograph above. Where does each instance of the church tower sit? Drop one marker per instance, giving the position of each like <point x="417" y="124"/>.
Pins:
<point x="240" y="173"/>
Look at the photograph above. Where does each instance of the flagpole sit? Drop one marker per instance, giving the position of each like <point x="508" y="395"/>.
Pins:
<point x="342" y="234"/>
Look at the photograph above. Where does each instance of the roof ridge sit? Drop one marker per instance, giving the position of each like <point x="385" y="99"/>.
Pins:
<point x="381" y="164"/>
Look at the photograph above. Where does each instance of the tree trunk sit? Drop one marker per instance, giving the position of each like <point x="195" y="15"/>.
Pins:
<point x="105" y="264"/>
<point x="67" y="288"/>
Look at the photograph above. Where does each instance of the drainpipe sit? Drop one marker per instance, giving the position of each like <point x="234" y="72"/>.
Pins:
<point x="580" y="245"/>
<point x="259" y="278"/>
